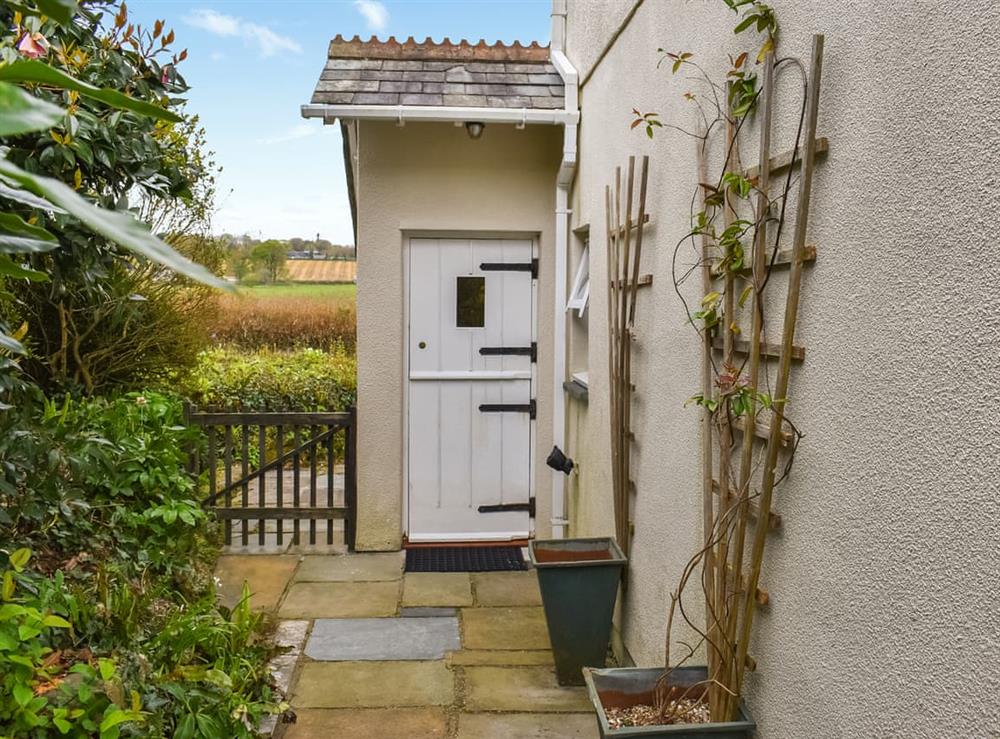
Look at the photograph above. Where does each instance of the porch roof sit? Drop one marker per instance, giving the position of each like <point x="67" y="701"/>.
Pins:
<point x="446" y="74"/>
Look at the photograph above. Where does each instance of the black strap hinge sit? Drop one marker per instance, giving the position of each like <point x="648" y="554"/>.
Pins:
<point x="523" y="351"/>
<point x="531" y="267"/>
<point x="503" y="507"/>
<point x="528" y="408"/>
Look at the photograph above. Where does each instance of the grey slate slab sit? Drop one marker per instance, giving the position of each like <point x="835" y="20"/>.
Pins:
<point x="420" y="98"/>
<point x="376" y="98"/>
<point x="382" y="639"/>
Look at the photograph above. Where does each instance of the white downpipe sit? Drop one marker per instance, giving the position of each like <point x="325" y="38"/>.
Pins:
<point x="567" y="169"/>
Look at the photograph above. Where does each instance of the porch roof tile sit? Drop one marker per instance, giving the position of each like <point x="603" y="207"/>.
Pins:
<point x="390" y="72"/>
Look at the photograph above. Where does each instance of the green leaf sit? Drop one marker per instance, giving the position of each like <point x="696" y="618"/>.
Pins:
<point x="39" y="72"/>
<point x="63" y="725"/>
<point x="22" y="694"/>
<point x="185" y="727"/>
<point x="114" y="718"/>
<point x="11" y="610"/>
<point x="56" y="622"/>
<point x="746" y="23"/>
<point x="15" y="225"/>
<point x="219" y="678"/>
<point x="122" y="228"/>
<point x="26" y="198"/>
<point x="10" y="268"/>
<point x="7" y="591"/>
<point x="107" y="668"/>
<point x="17" y="236"/>
<point x="20" y="558"/>
<point x="61" y="11"/>
<point x="21" y="112"/>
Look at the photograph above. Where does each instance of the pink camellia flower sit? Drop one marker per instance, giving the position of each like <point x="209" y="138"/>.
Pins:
<point x="32" y="45"/>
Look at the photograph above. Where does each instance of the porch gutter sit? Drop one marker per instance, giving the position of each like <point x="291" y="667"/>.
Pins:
<point x="564" y="180"/>
<point x="441" y="113"/>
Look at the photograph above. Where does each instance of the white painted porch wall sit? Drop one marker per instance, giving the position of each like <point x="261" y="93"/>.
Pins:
<point x="433" y="177"/>
<point x="885" y="613"/>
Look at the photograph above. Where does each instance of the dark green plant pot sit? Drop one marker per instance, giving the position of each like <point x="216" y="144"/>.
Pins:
<point x="579" y="583"/>
<point x="629" y="686"/>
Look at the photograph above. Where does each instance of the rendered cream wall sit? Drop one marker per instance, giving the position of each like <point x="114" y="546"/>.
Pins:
<point x="433" y="177"/>
<point x="885" y="615"/>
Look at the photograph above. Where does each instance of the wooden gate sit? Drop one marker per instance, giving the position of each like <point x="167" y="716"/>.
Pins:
<point x="294" y="470"/>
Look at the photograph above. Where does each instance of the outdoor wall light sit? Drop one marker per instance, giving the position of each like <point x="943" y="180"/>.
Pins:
<point x="474" y="129"/>
<point x="559" y="461"/>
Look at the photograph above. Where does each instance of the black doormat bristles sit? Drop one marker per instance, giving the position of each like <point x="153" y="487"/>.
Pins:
<point x="464" y="559"/>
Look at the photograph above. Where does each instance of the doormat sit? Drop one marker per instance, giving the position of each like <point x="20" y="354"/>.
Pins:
<point x="464" y="559"/>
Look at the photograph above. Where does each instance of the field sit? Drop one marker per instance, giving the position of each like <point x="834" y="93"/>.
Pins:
<point x="287" y="316"/>
<point x="321" y="270"/>
<point x="340" y="292"/>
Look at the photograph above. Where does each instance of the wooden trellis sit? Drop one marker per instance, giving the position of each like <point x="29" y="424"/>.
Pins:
<point x="737" y="505"/>
<point x="623" y="259"/>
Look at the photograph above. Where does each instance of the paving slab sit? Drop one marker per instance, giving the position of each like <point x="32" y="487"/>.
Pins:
<point x="507" y="588"/>
<point x="267" y="575"/>
<point x="382" y="639"/>
<point x="515" y="628"/>
<point x="340" y="600"/>
<point x="530" y="689"/>
<point x="369" y="723"/>
<point x="291" y="637"/>
<point x="527" y="725"/>
<point x="437" y="589"/>
<point x="373" y="685"/>
<point x="351" y="568"/>
<point x="500" y="657"/>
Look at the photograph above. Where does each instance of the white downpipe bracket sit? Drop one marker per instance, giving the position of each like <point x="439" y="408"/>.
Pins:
<point x="567" y="170"/>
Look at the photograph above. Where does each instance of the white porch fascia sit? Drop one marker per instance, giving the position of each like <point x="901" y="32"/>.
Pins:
<point x="439" y="113"/>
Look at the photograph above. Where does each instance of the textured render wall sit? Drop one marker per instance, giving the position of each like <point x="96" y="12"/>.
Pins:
<point x="432" y="176"/>
<point x="885" y="617"/>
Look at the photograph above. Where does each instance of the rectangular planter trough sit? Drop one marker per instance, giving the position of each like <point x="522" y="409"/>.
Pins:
<point x="630" y="686"/>
<point x="579" y="583"/>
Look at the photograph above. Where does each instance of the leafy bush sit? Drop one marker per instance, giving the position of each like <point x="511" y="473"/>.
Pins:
<point x="94" y="314"/>
<point x="284" y="322"/>
<point x="115" y="629"/>
<point x="266" y="380"/>
<point x="39" y="691"/>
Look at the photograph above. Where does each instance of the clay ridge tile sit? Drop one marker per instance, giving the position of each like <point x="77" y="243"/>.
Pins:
<point x="356" y="48"/>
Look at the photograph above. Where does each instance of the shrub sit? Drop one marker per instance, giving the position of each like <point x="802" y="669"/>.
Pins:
<point x="114" y="628"/>
<point x="149" y="324"/>
<point x="284" y="322"/>
<point x="96" y="315"/>
<point x="267" y="380"/>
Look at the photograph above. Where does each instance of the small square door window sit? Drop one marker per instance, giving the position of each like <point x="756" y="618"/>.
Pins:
<point x="471" y="306"/>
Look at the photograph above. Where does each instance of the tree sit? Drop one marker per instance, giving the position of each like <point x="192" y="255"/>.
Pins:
<point x="69" y="123"/>
<point x="270" y="257"/>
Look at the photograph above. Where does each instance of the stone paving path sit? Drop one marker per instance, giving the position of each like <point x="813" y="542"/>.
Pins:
<point x="377" y="653"/>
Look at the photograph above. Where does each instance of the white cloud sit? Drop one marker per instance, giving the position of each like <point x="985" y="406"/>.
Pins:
<point x="298" y="131"/>
<point x="267" y="41"/>
<point x="374" y="12"/>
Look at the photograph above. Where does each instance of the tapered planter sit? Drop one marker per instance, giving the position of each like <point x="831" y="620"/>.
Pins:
<point x="630" y="686"/>
<point x="579" y="583"/>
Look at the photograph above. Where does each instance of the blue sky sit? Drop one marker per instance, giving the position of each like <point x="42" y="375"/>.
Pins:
<point x="252" y="63"/>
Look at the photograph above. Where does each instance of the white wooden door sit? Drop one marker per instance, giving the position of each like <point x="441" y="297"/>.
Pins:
<point x="469" y="418"/>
